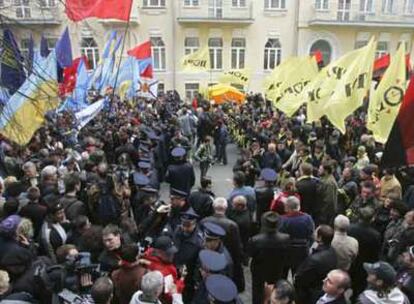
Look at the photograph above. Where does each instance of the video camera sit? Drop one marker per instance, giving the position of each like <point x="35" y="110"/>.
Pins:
<point x="83" y="264"/>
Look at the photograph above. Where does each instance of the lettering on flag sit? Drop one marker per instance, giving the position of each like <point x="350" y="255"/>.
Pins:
<point x="197" y="61"/>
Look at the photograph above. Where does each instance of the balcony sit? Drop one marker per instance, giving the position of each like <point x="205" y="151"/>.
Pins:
<point x="351" y="13"/>
<point x="41" y="12"/>
<point x="215" y="11"/>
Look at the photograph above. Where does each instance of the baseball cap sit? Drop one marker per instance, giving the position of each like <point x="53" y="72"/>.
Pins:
<point x="382" y="270"/>
<point x="166" y="244"/>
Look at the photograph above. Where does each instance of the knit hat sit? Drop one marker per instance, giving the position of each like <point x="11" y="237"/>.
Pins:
<point x="8" y="226"/>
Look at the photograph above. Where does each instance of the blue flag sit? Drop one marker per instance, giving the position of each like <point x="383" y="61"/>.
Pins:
<point x="30" y="56"/>
<point x="64" y="50"/>
<point x="12" y="73"/>
<point x="44" y="49"/>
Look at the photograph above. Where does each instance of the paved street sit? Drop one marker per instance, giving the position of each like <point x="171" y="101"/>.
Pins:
<point x="222" y="185"/>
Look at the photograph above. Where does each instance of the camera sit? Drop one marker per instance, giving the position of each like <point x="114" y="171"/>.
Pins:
<point x="83" y="264"/>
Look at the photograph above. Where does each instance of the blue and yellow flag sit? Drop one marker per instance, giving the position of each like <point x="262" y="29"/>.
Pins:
<point x="12" y="73"/>
<point x="24" y="112"/>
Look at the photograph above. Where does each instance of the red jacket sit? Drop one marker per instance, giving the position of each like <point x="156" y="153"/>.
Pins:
<point x="278" y="203"/>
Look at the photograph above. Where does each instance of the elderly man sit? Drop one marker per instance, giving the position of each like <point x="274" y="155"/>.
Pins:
<point x="270" y="159"/>
<point x="31" y="177"/>
<point x="334" y="286"/>
<point x="346" y="247"/>
<point x="48" y="180"/>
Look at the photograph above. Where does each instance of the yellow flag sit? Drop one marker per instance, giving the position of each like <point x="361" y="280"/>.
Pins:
<point x="387" y="98"/>
<point x="235" y="76"/>
<point x="354" y="86"/>
<point x="297" y="75"/>
<point x="273" y="81"/>
<point x="197" y="61"/>
<point x="321" y="89"/>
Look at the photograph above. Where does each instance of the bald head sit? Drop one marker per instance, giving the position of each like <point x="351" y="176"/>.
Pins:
<point x="336" y="282"/>
<point x="341" y="223"/>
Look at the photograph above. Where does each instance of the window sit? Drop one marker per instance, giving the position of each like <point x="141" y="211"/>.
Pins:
<point x="22" y="8"/>
<point x="191" y="3"/>
<point x="361" y="43"/>
<point x="154" y="3"/>
<point x="344" y="9"/>
<point x="238" y="53"/>
<point x="272" y="54"/>
<point x="366" y="6"/>
<point x="387" y="6"/>
<point x="325" y="48"/>
<point x="382" y="49"/>
<point x="90" y="49"/>
<point x="158" y="53"/>
<point x="216" y="53"/>
<point x="161" y="88"/>
<point x="48" y="3"/>
<point x="191" y="45"/>
<point x="51" y="43"/>
<point x="275" y="4"/>
<point x="409" y="7"/>
<point x="407" y="45"/>
<point x="321" y="5"/>
<point x="24" y="47"/>
<point x="191" y="90"/>
<point x="238" y="3"/>
<point x="215" y="9"/>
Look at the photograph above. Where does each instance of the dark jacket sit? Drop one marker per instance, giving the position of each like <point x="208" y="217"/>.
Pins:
<point x="405" y="281"/>
<point x="268" y="252"/>
<point x="73" y="207"/>
<point x="181" y="176"/>
<point x="271" y="160"/>
<point x="202" y="202"/>
<point x="309" y="190"/>
<point x="36" y="213"/>
<point x="127" y="280"/>
<point x="264" y="197"/>
<point x="309" y="275"/>
<point x="109" y="260"/>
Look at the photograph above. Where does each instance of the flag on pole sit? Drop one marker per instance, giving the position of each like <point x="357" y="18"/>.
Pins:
<point x="44" y="48"/>
<point x="86" y="115"/>
<point x="399" y="149"/>
<point x="147" y="88"/>
<point x="387" y="98"/>
<point x="30" y="56"/>
<point x="236" y="76"/>
<point x="69" y="76"/>
<point x="349" y="93"/>
<point x="143" y="53"/>
<point x="24" y="113"/>
<point x="197" y="61"/>
<point x="78" y="10"/>
<point x="273" y="81"/>
<point x="296" y="77"/>
<point x="12" y="73"/>
<point x="64" y="50"/>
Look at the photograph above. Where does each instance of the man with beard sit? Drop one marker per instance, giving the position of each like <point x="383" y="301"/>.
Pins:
<point x="188" y="239"/>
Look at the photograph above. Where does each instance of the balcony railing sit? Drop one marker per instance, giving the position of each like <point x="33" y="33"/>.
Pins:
<point x="351" y="13"/>
<point x="216" y="11"/>
<point x="30" y="12"/>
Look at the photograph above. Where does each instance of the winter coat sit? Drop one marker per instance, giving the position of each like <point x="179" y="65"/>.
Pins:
<point x="372" y="297"/>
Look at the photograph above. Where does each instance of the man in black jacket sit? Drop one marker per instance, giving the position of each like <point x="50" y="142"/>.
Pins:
<point x="180" y="175"/>
<point x="310" y="274"/>
<point x="309" y="190"/>
<point x="268" y="251"/>
<point x="201" y="200"/>
<point x="266" y="193"/>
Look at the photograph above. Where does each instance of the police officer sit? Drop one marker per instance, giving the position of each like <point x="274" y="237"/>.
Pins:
<point x="146" y="168"/>
<point x="179" y="205"/>
<point x="265" y="193"/>
<point x="180" y="174"/>
<point x="188" y="238"/>
<point x="221" y="290"/>
<point x="210" y="262"/>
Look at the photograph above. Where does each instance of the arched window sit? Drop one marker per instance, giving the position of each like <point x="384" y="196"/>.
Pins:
<point x="272" y="54"/>
<point x="238" y="52"/>
<point x="325" y="48"/>
<point x="158" y="53"/>
<point x="90" y="49"/>
<point x="191" y="45"/>
<point x="216" y="53"/>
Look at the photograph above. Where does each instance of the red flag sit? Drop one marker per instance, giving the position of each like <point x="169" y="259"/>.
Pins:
<point x="399" y="149"/>
<point x="318" y="56"/>
<point x="69" y="76"/>
<point x="142" y="51"/>
<point x="148" y="72"/>
<point x="78" y="10"/>
<point x="382" y="63"/>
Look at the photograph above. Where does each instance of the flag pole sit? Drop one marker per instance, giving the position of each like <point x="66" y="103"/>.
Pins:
<point x="122" y="49"/>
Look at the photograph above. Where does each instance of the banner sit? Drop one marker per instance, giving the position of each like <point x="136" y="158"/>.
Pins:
<point x="197" y="61"/>
<point x="387" y="98"/>
<point x="276" y="78"/>
<point x="89" y="113"/>
<point x="236" y="76"/>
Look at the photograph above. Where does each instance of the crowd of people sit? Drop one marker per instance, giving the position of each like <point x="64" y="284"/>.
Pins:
<point x="312" y="213"/>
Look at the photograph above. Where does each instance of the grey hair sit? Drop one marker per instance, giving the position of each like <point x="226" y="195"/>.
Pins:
<point x="293" y="203"/>
<point x="48" y="171"/>
<point x="220" y="205"/>
<point x="28" y="165"/>
<point x="341" y="223"/>
<point x="151" y="284"/>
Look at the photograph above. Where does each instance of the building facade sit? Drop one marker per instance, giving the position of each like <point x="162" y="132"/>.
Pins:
<point x="254" y="34"/>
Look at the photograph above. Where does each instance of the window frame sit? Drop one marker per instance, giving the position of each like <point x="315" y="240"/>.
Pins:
<point x="215" y="53"/>
<point x="22" y="6"/>
<point x="407" y="10"/>
<point x="344" y="13"/>
<point x="193" y="91"/>
<point x="149" y="4"/>
<point x="240" y="51"/>
<point x="386" y="4"/>
<point x="277" y="54"/>
<point x="188" y="49"/>
<point x="90" y="49"/>
<point x="160" y="63"/>
<point x="192" y="3"/>
<point x="324" y="5"/>
<point x="268" y="5"/>
<point x="365" y="11"/>
<point x="239" y="3"/>
<point x="379" y="53"/>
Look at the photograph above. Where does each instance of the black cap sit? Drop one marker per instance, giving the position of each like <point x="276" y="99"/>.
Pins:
<point x="140" y="179"/>
<point x="213" y="231"/>
<point x="55" y="208"/>
<point x="144" y="165"/>
<point x="221" y="288"/>
<point x="189" y="216"/>
<point x="166" y="244"/>
<point x="178" y="193"/>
